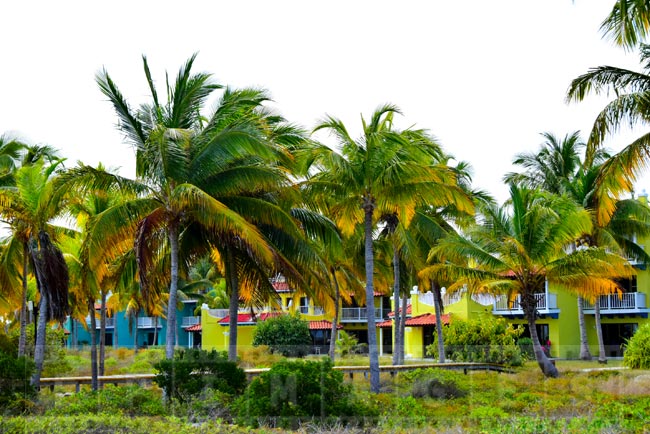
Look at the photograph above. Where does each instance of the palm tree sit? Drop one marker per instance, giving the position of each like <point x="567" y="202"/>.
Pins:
<point x="384" y="171"/>
<point x="198" y="179"/>
<point x="520" y="246"/>
<point x="630" y="107"/>
<point x="627" y="23"/>
<point x="31" y="206"/>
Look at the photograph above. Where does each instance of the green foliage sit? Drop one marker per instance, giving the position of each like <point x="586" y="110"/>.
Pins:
<point x="637" y="349"/>
<point x="191" y="371"/>
<point x="434" y="383"/>
<point x="15" y="389"/>
<point x="284" y="334"/>
<point x="526" y="347"/>
<point x="346" y="344"/>
<point x="292" y="391"/>
<point x="55" y="363"/>
<point x="487" y="339"/>
<point x="113" y="423"/>
<point x="124" y="400"/>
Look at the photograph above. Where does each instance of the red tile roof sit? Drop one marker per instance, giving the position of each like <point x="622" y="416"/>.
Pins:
<point x="193" y="328"/>
<point x="281" y="287"/>
<point x="409" y="310"/>
<point x="425" y="320"/>
<point x="322" y="325"/>
<point x="418" y="321"/>
<point x="247" y="318"/>
<point x="385" y="324"/>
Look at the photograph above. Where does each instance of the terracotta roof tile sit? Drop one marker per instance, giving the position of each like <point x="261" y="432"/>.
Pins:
<point x="409" y="310"/>
<point x="322" y="325"/>
<point x="193" y="328"/>
<point x="419" y="321"/>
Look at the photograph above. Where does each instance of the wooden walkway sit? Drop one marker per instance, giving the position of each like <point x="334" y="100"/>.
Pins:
<point x="147" y="379"/>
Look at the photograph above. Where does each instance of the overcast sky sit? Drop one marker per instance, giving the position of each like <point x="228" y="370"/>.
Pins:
<point x="485" y="77"/>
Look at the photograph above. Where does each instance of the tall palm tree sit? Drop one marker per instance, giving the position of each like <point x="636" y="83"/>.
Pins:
<point x="629" y="107"/>
<point x="628" y="23"/>
<point x="520" y="246"/>
<point x="199" y="176"/>
<point x="382" y="172"/>
<point x="31" y="206"/>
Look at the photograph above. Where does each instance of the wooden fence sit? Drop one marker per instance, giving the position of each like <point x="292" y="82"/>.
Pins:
<point x="147" y="379"/>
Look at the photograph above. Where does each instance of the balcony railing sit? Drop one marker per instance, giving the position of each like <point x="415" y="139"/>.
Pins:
<point x="625" y="302"/>
<point x="358" y="314"/>
<point x="545" y="301"/>
<point x="110" y="323"/>
<point x="149" y="322"/>
<point x="190" y="321"/>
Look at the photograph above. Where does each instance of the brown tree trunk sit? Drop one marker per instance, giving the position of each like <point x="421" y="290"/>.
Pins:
<point x="335" y="320"/>
<point x="602" y="357"/>
<point x="585" y="354"/>
<point x="94" y="383"/>
<point x="529" y="306"/>
<point x="398" y="349"/>
<point x="102" y="332"/>
<point x="373" y="353"/>
<point x="438" y="305"/>
<point x="233" y="308"/>
<point x="23" y="304"/>
<point x="173" y="291"/>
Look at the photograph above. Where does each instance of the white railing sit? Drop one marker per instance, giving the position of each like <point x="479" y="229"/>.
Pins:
<point x="148" y="322"/>
<point x="625" y="301"/>
<point x="110" y="322"/>
<point x="544" y="301"/>
<point x="190" y="321"/>
<point x="218" y="313"/>
<point x="318" y="310"/>
<point x="358" y="314"/>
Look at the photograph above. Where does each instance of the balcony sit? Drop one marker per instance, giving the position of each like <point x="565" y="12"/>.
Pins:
<point x="149" y="322"/>
<point x="358" y="314"/>
<point x="190" y="321"/>
<point x="626" y="303"/>
<point x="546" y="305"/>
<point x="110" y="323"/>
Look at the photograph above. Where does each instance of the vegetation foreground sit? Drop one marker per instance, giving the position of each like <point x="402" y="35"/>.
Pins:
<point x="583" y="399"/>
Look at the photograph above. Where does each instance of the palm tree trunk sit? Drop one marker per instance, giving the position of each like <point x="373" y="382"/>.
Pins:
<point x="335" y="320"/>
<point x="93" y="344"/>
<point x="402" y="328"/>
<point x="438" y="305"/>
<point x="173" y="289"/>
<point x="397" y="344"/>
<point x="39" y="344"/>
<point x="529" y="306"/>
<point x="155" y="330"/>
<point x="102" y="332"/>
<point x="135" y="333"/>
<point x="233" y="308"/>
<point x="373" y="353"/>
<point x="602" y="357"/>
<point x="585" y="354"/>
<point x="23" y="304"/>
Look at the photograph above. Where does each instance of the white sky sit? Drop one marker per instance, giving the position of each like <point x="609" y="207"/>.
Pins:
<point x="485" y="77"/>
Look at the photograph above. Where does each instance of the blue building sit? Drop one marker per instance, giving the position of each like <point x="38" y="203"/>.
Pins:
<point x="147" y="332"/>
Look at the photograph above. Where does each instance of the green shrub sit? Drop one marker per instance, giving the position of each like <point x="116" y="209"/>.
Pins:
<point x="346" y="344"/>
<point x="434" y="383"/>
<point x="637" y="349"/>
<point x="284" y="334"/>
<point x="16" y="391"/>
<point x="191" y="371"/>
<point x="55" y="363"/>
<point x="526" y="347"/>
<point x="292" y="391"/>
<point x="129" y="400"/>
<point x="487" y="339"/>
